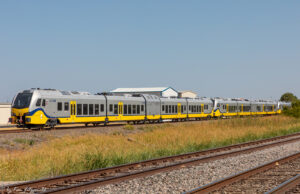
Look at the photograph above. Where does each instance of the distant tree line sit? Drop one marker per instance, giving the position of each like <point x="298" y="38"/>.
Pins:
<point x="295" y="109"/>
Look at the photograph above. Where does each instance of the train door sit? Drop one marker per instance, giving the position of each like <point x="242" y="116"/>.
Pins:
<point x="202" y="108"/>
<point x="120" y="105"/>
<point x="179" y="109"/>
<point x="73" y="110"/>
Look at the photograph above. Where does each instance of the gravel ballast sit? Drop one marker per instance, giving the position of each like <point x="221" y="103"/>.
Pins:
<point x="185" y="179"/>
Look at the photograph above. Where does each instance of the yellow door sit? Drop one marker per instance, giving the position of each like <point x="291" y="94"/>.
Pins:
<point x="120" y="110"/>
<point x="73" y="110"/>
<point x="179" y="109"/>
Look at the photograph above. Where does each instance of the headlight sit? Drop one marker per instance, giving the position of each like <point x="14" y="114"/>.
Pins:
<point x="28" y="120"/>
<point x="13" y="114"/>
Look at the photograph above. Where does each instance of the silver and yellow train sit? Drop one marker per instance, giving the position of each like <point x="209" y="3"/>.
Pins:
<point x="50" y="107"/>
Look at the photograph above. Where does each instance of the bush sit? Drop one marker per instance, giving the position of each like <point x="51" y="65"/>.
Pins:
<point x="294" y="110"/>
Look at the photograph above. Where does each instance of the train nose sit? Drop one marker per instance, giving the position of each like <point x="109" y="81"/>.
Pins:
<point x="18" y="116"/>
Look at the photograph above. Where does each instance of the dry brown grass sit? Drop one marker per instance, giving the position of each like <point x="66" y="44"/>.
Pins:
<point x="71" y="154"/>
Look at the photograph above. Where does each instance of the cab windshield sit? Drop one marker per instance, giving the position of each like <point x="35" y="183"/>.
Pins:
<point x="22" y="100"/>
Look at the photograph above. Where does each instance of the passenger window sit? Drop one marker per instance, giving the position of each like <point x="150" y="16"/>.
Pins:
<point x="66" y="106"/>
<point x="96" y="109"/>
<point x="163" y="107"/>
<point x="142" y="108"/>
<point x="85" y="109"/>
<point x="79" y="109"/>
<point x="133" y="109"/>
<point x="138" y="109"/>
<point x="38" y="102"/>
<point x="167" y="111"/>
<point x="110" y="108"/>
<point x="176" y="111"/>
<point x="125" y="109"/>
<point x="91" y="109"/>
<point x="115" y="109"/>
<point x="102" y="107"/>
<point x="44" y="102"/>
<point x="129" y="109"/>
<point x="59" y="106"/>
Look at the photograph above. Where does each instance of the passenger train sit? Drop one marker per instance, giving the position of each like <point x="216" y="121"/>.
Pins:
<point x="49" y="107"/>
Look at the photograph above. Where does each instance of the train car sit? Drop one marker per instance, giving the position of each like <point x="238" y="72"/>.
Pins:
<point x="199" y="108"/>
<point x="225" y="107"/>
<point x="174" y="109"/>
<point x="50" y="107"/>
<point x="270" y="107"/>
<point x="244" y="108"/>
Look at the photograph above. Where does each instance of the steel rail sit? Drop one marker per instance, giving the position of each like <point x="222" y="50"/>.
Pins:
<point x="216" y="185"/>
<point x="107" y="173"/>
<point x="65" y="126"/>
<point x="286" y="186"/>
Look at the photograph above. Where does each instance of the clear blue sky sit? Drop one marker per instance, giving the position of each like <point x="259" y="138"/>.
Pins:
<point x="216" y="48"/>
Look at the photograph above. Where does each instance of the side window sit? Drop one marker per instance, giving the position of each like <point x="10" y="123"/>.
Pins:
<point x="176" y="110"/>
<point x="85" y="109"/>
<point x="91" y="109"/>
<point x="102" y="107"/>
<point x="96" y="109"/>
<point x="44" y="102"/>
<point x="125" y="109"/>
<point x="163" y="108"/>
<point x="66" y="106"/>
<point x="38" y="102"/>
<point x="167" y="110"/>
<point x="133" y="109"/>
<point x="116" y="109"/>
<point x="138" y="109"/>
<point x="142" y="108"/>
<point x="129" y="109"/>
<point x="79" y="109"/>
<point x="59" y="106"/>
<point x="110" y="108"/>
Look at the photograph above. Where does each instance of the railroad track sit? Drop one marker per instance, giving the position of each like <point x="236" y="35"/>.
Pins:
<point x="62" y="127"/>
<point x="278" y="176"/>
<point x="21" y="130"/>
<point x="91" y="179"/>
<point x="15" y="131"/>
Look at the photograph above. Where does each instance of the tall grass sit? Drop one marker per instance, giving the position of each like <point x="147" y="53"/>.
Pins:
<point x="71" y="154"/>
